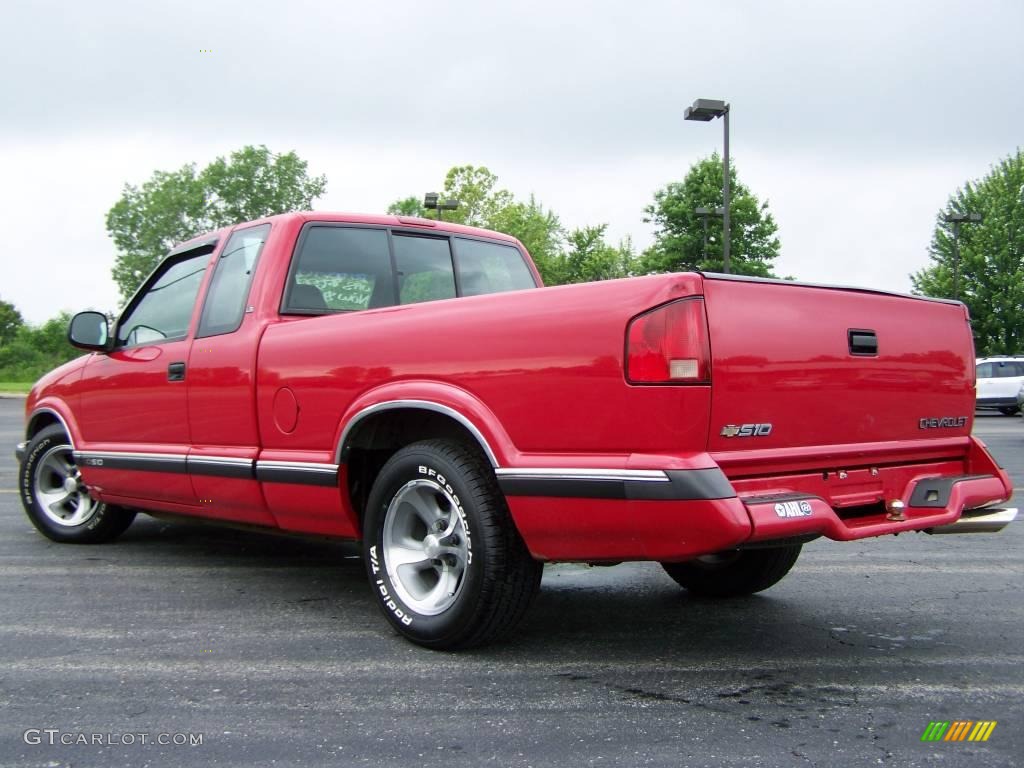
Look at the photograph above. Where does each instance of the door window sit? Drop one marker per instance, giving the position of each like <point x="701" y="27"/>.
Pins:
<point x="229" y="289"/>
<point x="163" y="311"/>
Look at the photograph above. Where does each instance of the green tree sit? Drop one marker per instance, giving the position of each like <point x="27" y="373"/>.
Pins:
<point x="589" y="257"/>
<point x="410" y="206"/>
<point x="483" y="204"/>
<point x="991" y="266"/>
<point x="10" y="322"/>
<point x="679" y="237"/>
<point x="479" y="201"/>
<point x="173" y="206"/>
<point x="583" y="257"/>
<point x="35" y="350"/>
<point x="538" y="229"/>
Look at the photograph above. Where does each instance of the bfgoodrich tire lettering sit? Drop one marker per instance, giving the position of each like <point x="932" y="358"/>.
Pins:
<point x="56" y="501"/>
<point x="445" y="562"/>
<point x="735" y="573"/>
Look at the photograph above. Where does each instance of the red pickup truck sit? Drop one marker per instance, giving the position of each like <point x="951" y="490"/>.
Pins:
<point x="410" y="384"/>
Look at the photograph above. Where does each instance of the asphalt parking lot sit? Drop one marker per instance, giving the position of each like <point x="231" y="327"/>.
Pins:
<point x="272" y="650"/>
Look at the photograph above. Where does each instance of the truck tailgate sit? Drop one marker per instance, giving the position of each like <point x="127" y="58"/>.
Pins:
<point x="807" y="377"/>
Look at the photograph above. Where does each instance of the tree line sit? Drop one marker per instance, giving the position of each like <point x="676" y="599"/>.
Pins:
<point x="26" y="351"/>
<point x="173" y="206"/>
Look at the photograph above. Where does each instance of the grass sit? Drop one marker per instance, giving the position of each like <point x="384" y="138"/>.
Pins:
<point x="15" y="386"/>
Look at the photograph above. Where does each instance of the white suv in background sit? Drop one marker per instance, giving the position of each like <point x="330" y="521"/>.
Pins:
<point x="999" y="381"/>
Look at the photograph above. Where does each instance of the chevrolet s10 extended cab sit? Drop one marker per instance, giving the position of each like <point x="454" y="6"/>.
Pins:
<point x="410" y="384"/>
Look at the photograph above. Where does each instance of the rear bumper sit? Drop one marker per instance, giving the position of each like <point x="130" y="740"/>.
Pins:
<point x="996" y="402"/>
<point x="979" y="521"/>
<point x="673" y="515"/>
<point x="800" y="515"/>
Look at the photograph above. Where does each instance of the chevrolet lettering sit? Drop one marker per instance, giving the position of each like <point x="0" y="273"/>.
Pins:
<point x="946" y="422"/>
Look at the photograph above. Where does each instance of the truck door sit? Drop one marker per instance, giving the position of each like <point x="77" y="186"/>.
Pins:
<point x="222" y="386"/>
<point x="134" y="412"/>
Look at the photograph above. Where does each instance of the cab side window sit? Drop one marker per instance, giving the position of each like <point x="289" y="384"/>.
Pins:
<point x="425" y="271"/>
<point x="229" y="288"/>
<point x="340" y="269"/>
<point x="163" y="311"/>
<point x="490" y="267"/>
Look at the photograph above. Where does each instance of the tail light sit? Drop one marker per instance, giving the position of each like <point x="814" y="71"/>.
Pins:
<point x="669" y="345"/>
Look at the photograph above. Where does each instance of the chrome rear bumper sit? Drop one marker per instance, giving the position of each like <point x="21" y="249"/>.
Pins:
<point x="990" y="520"/>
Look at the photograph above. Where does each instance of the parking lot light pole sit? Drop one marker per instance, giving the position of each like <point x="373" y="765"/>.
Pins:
<point x="705" y="110"/>
<point x="703" y="214"/>
<point x="433" y="201"/>
<point x="956" y="219"/>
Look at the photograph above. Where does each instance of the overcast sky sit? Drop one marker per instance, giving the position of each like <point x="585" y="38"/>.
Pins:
<point x="856" y="120"/>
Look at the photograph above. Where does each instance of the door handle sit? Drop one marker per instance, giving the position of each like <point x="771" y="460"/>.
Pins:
<point x="176" y="372"/>
<point x="862" y="342"/>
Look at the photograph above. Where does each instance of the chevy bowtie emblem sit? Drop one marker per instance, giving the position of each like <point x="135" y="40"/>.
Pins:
<point x="746" y="430"/>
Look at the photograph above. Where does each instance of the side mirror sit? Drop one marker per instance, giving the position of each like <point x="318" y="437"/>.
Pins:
<point x="89" y="330"/>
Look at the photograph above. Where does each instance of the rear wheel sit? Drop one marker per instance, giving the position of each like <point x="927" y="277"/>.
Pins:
<point x="446" y="564"/>
<point x="734" y="573"/>
<point x="56" y="500"/>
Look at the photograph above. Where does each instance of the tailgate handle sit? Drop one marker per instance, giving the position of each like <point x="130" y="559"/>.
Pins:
<point x="862" y="342"/>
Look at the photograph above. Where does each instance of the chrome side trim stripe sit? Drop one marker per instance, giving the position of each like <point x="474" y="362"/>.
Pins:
<point x="144" y="462"/>
<point x="297" y="472"/>
<point x="302" y="466"/>
<point x="639" y="475"/>
<point x="179" y="457"/>
<point x="220" y="460"/>
<point x="221" y="466"/>
<point x="629" y="484"/>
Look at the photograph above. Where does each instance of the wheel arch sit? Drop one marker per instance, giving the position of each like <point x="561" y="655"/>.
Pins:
<point x="373" y="431"/>
<point x="45" y="416"/>
<point x="369" y="420"/>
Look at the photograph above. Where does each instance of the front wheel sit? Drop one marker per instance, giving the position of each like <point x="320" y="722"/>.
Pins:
<point x="445" y="562"/>
<point x="57" y="502"/>
<point x="734" y="573"/>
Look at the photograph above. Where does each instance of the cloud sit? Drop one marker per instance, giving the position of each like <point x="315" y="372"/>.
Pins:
<point x="855" y="119"/>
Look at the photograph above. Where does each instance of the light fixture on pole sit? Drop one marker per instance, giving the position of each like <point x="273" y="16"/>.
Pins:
<point x="705" y="110"/>
<point x="956" y="219"/>
<point x="433" y="201"/>
<point x="703" y="214"/>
